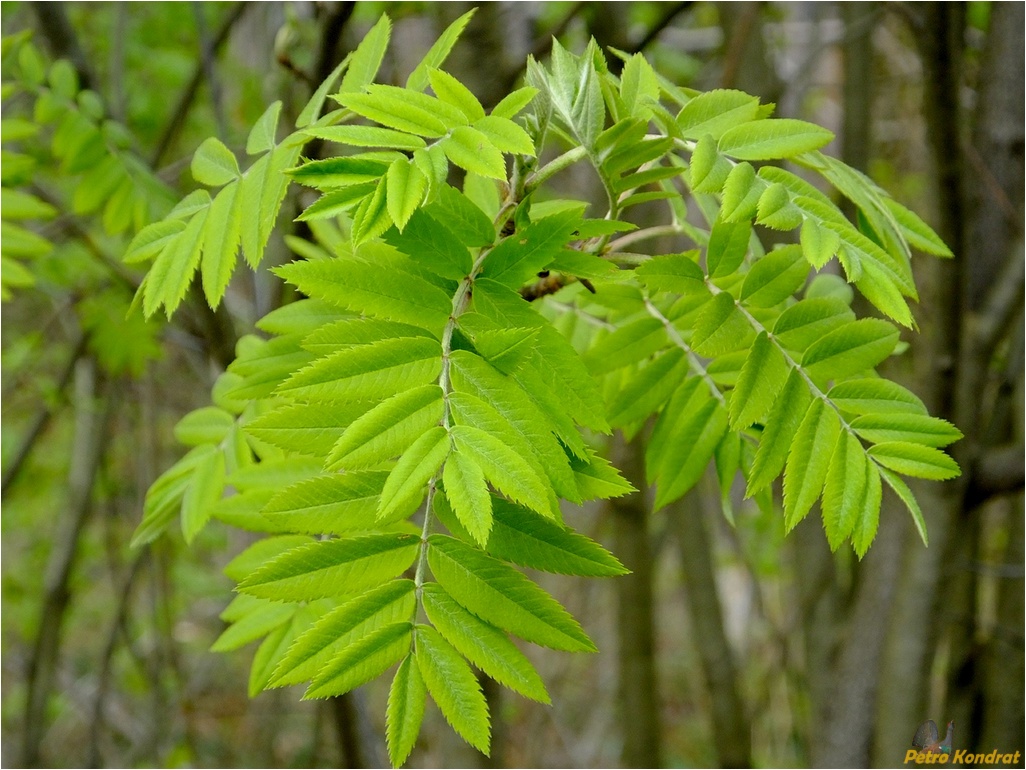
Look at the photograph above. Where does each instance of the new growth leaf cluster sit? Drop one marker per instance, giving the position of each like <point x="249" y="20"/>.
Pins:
<point x="406" y="434"/>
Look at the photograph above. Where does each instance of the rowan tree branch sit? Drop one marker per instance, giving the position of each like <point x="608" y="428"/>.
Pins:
<point x="188" y="95"/>
<point x="998" y="471"/>
<point x="54" y="25"/>
<point x="1001" y="304"/>
<point x="42" y="418"/>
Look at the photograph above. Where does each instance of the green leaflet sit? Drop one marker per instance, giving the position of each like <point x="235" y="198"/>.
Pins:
<point x="262" y="618"/>
<point x="333" y="335"/>
<point x="165" y="494"/>
<point x="334" y="503"/>
<point x="372" y="289"/>
<point x="500" y="595"/>
<point x="902" y="490"/>
<point x="520" y="422"/>
<point x="172" y="271"/>
<point x="437" y="55"/>
<point x="388" y="429"/>
<point x="678" y="273"/>
<point x="908" y="427"/>
<point x="213" y="164"/>
<point x="309" y="429"/>
<point x="709" y="170"/>
<point x="819" y="244"/>
<point x="721" y="328"/>
<point x="484" y="645"/>
<point x="207" y="425"/>
<point x="775" y="277"/>
<point x="741" y="193"/>
<point x="469" y="149"/>
<point x="770" y="139"/>
<point x="433" y="245"/>
<point x="342" y="627"/>
<point x="522" y="537"/>
<point x="692" y="439"/>
<point x="366" y="59"/>
<point x="467" y="491"/>
<point x="781" y="426"/>
<point x="923" y="462"/>
<point x="808" y="321"/>
<point x="273" y="648"/>
<point x="204" y="491"/>
<point x="715" y="112"/>
<point x="647" y="390"/>
<point x="260" y="553"/>
<point x="875" y="396"/>
<point x="514" y="102"/>
<point x="221" y="243"/>
<point x="395" y="108"/>
<point x="869" y="518"/>
<point x="507" y="470"/>
<point x="844" y="491"/>
<point x="262" y="136"/>
<point x="405" y="712"/>
<point x="406" y="187"/>
<point x="505" y="135"/>
<point x="808" y="461"/>
<point x="362" y="661"/>
<point x="453" y="687"/>
<point x="850" y="349"/>
<point x="628" y="344"/>
<point x="462" y="217"/>
<point x="332" y="567"/>
<point x="761" y="379"/>
<point x="557" y="375"/>
<point x="404" y="487"/>
<point x="367" y="372"/>
<point x="916" y="231"/>
<point x="451" y="91"/>
<point x="597" y="478"/>
<point x="519" y="257"/>
<point x="728" y="244"/>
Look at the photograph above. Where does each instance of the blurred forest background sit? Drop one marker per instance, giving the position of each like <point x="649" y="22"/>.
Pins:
<point x="727" y="646"/>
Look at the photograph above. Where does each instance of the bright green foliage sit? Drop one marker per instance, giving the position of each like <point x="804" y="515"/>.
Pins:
<point x="416" y="379"/>
<point x="64" y="160"/>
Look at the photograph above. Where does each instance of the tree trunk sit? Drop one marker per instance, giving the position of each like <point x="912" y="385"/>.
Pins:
<point x="732" y="732"/>
<point x="639" y="698"/>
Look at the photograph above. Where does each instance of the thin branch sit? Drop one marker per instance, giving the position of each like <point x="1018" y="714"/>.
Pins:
<point x="53" y="23"/>
<point x="103" y="681"/>
<point x="88" y="447"/>
<point x="42" y="418"/>
<point x="1001" y="304"/>
<point x="662" y="23"/>
<point x="544" y="43"/>
<point x="645" y="234"/>
<point x="188" y="95"/>
<point x="73" y="226"/>
<point x="998" y="471"/>
<point x="739" y="38"/>
<point x="207" y="62"/>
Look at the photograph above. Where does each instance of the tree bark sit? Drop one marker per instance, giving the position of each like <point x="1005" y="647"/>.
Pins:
<point x="731" y="728"/>
<point x="87" y="450"/>
<point x="639" y="698"/>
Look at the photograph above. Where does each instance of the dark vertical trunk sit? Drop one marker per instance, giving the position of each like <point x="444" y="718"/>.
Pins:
<point x="347" y="731"/>
<point x="639" y="698"/>
<point x="87" y="450"/>
<point x="731" y="728"/>
<point x="844" y="732"/>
